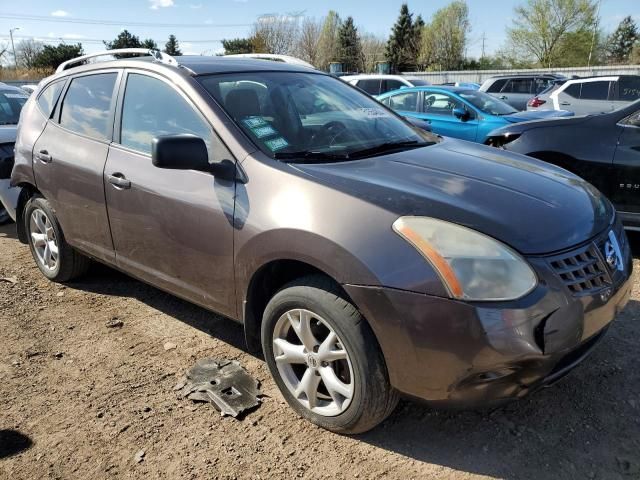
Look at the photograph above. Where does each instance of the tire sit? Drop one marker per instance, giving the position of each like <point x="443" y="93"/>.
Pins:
<point x="363" y="396"/>
<point x="41" y="225"/>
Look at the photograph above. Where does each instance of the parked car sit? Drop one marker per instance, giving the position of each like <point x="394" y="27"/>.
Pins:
<point x="378" y="84"/>
<point x="603" y="149"/>
<point x="517" y="90"/>
<point x="364" y="258"/>
<point x="459" y="112"/>
<point x="29" y="88"/>
<point x="589" y="95"/>
<point x="12" y="100"/>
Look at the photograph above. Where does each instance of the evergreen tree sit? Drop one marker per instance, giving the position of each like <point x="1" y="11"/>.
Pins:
<point x="51" y="56"/>
<point x="401" y="49"/>
<point x="125" y="39"/>
<point x="237" y="46"/>
<point x="349" y="47"/>
<point x="172" y="47"/>
<point x="620" y="43"/>
<point x="328" y="41"/>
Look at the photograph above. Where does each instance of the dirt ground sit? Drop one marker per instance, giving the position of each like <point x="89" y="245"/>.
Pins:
<point x="81" y="400"/>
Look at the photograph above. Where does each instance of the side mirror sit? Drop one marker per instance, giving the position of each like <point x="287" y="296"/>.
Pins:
<point x="461" y="113"/>
<point x="180" y="152"/>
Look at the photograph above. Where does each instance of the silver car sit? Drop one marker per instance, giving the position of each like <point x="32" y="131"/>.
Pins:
<point x="517" y="90"/>
<point x="585" y="96"/>
<point x="11" y="101"/>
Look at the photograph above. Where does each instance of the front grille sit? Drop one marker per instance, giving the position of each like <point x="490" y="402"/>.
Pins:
<point x="583" y="271"/>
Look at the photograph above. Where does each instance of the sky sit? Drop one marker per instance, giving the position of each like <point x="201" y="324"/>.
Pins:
<point x="199" y="25"/>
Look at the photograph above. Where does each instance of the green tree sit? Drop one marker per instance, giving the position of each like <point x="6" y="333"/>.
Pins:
<point x="328" y="41"/>
<point x="402" y="46"/>
<point x="620" y="43"/>
<point x="236" y="46"/>
<point x="444" y="40"/>
<point x="126" y="39"/>
<point x="540" y="26"/>
<point x="172" y="47"/>
<point x="51" y="56"/>
<point x="349" y="47"/>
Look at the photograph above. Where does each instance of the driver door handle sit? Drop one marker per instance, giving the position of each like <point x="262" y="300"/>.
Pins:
<point x="564" y="104"/>
<point x="503" y="97"/>
<point x="44" y="156"/>
<point x="119" y="181"/>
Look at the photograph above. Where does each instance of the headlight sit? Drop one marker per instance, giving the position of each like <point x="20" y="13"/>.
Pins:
<point x="472" y="265"/>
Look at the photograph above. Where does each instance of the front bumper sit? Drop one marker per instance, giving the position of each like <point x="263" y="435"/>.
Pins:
<point x="476" y="354"/>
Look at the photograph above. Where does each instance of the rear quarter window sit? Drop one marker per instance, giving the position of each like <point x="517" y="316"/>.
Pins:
<point x="629" y="88"/>
<point x="497" y="85"/>
<point x="49" y="97"/>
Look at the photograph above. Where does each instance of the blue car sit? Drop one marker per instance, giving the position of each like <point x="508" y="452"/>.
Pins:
<point x="459" y="112"/>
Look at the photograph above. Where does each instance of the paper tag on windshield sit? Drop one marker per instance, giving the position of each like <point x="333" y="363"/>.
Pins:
<point x="276" y="144"/>
<point x="374" y="112"/>
<point x="265" y="131"/>
<point x="254" y="122"/>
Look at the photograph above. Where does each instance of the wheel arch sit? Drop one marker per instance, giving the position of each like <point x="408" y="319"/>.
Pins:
<point x="265" y="282"/>
<point x="27" y="191"/>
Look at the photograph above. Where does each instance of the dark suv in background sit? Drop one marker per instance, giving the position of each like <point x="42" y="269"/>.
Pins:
<point x="517" y="90"/>
<point x="365" y="258"/>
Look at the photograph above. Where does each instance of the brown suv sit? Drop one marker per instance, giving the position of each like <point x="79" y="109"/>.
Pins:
<point x="366" y="258"/>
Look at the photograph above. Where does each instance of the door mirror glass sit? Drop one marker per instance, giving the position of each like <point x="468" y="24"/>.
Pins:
<point x="180" y="152"/>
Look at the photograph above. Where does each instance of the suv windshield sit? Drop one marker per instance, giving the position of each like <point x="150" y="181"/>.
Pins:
<point x="487" y="103"/>
<point x="11" y="102"/>
<point x="300" y="116"/>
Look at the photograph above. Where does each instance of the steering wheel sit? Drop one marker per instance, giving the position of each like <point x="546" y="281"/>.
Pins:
<point x="331" y="131"/>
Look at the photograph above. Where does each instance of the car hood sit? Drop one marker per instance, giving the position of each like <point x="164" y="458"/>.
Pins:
<point x="8" y="133"/>
<point x="530" y="205"/>
<point x="556" y="122"/>
<point x="536" y="115"/>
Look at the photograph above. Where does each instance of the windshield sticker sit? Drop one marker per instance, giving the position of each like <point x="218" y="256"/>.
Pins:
<point x="276" y="144"/>
<point x="374" y="112"/>
<point x="254" y="122"/>
<point x="265" y="131"/>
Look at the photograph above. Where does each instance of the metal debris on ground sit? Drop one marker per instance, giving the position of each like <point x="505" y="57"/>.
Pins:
<point x="224" y="383"/>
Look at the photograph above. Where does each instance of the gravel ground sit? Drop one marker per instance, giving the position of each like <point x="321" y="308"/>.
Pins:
<point x="85" y="400"/>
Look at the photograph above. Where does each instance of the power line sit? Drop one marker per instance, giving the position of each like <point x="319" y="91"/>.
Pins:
<point x="119" y="23"/>
<point x="91" y="40"/>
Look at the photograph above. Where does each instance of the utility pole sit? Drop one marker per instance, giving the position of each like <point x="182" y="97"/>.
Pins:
<point x="15" y="59"/>
<point x="484" y="39"/>
<point x="593" y="37"/>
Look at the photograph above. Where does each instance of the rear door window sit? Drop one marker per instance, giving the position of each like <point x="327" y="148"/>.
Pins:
<point x="48" y="98"/>
<point x="540" y="84"/>
<point x="390" y="85"/>
<point x="371" y="86"/>
<point x="595" y="90"/>
<point x="629" y="89"/>
<point x="518" y="85"/>
<point x="86" y="108"/>
<point x="404" y="101"/>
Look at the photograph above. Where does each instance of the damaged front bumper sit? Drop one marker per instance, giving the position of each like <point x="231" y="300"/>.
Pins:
<point x="464" y="354"/>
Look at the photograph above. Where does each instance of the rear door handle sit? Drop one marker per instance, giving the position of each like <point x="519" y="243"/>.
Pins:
<point x="565" y="104"/>
<point x="44" y="156"/>
<point x="119" y="181"/>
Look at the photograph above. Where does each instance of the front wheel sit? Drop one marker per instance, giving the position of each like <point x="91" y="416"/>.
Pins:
<point x="324" y="357"/>
<point x="55" y="258"/>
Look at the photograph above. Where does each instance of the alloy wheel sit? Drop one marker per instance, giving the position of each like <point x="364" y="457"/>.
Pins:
<point x="313" y="362"/>
<point x="43" y="239"/>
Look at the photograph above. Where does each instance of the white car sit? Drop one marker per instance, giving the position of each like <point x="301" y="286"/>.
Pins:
<point x="12" y="100"/>
<point x="378" y="84"/>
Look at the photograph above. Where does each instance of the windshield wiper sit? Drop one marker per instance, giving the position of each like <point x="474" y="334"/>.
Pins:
<point x="388" y="147"/>
<point x="309" y="156"/>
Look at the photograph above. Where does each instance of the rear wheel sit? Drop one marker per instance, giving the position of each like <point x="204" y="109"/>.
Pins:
<point x="324" y="357"/>
<point x="55" y="258"/>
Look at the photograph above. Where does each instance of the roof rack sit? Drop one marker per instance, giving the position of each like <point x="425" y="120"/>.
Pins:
<point x="156" y="54"/>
